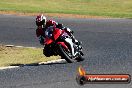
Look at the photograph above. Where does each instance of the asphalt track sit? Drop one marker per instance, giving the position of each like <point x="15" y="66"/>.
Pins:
<point x="107" y="46"/>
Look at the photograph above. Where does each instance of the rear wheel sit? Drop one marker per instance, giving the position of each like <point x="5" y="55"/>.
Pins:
<point x="47" y="51"/>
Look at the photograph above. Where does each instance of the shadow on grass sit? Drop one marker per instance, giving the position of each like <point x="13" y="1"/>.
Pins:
<point x="22" y="65"/>
<point x="37" y="64"/>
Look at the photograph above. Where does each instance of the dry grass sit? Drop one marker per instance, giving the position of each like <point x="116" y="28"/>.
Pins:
<point x="108" y="8"/>
<point x="13" y="55"/>
<point x="52" y="15"/>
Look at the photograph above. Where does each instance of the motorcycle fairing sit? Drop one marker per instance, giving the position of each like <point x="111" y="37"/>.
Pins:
<point x="63" y="44"/>
<point x="57" y="32"/>
<point x="48" y="41"/>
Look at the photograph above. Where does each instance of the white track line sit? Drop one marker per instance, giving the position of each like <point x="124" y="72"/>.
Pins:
<point x="9" y="45"/>
<point x="9" y="67"/>
<point x="53" y="61"/>
<point x="41" y="63"/>
<point x="18" y="46"/>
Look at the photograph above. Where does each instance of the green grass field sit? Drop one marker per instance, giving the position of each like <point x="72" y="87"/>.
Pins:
<point x="13" y="55"/>
<point x="110" y="8"/>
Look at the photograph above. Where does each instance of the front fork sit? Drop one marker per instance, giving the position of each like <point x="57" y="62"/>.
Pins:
<point x="71" y="44"/>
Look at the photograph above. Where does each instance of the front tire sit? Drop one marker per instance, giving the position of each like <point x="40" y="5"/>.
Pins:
<point x="64" y="54"/>
<point x="80" y="58"/>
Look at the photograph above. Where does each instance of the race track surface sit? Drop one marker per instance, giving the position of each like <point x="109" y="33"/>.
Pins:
<point x="107" y="46"/>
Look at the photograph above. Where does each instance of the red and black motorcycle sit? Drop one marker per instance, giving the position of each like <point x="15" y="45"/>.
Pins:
<point x="56" y="45"/>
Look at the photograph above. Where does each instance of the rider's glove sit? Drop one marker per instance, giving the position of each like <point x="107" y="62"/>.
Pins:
<point x="69" y="30"/>
<point x="60" y="26"/>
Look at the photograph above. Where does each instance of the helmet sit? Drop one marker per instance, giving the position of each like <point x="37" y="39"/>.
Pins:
<point x="41" y="20"/>
<point x="50" y="23"/>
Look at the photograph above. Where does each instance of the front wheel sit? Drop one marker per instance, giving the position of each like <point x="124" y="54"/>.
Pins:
<point x="65" y="54"/>
<point x="80" y="58"/>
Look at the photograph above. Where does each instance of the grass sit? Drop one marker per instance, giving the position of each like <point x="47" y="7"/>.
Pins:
<point x="13" y="55"/>
<point x="110" y="8"/>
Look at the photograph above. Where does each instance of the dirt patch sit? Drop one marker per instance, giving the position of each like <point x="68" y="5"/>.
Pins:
<point x="60" y="15"/>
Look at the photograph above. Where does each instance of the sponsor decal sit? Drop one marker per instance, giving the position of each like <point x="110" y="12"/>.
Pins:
<point x="84" y="78"/>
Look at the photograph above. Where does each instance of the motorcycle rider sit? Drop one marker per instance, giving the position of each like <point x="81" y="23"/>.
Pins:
<point x="42" y="29"/>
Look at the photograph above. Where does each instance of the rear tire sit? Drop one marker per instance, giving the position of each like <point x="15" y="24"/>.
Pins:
<point x="47" y="52"/>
